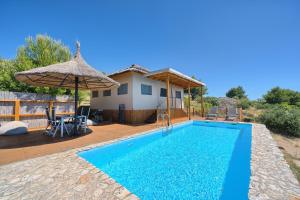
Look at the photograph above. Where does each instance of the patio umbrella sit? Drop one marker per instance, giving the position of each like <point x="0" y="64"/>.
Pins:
<point x="75" y="73"/>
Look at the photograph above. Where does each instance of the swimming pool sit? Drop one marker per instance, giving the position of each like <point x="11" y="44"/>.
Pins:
<point x="194" y="160"/>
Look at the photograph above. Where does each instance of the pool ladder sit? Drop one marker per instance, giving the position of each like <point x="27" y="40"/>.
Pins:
<point x="165" y="119"/>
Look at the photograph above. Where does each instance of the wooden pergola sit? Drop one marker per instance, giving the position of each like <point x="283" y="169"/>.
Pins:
<point x="171" y="76"/>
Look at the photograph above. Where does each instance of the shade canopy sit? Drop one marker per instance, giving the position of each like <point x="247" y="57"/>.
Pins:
<point x="63" y="75"/>
<point x="75" y="73"/>
<point x="175" y="78"/>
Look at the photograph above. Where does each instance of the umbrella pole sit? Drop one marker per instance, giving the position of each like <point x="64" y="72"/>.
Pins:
<point x="76" y="105"/>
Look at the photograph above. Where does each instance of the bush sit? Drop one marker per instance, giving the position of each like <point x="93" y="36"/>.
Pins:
<point x="248" y="119"/>
<point x="244" y="103"/>
<point x="214" y="101"/>
<point x="259" y="104"/>
<point x="282" y="119"/>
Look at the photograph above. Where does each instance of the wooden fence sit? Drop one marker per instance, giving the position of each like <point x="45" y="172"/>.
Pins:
<point x="30" y="107"/>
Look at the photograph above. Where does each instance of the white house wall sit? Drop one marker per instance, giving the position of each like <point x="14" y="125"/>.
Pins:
<point x="142" y="102"/>
<point x="112" y="102"/>
<point x="134" y="100"/>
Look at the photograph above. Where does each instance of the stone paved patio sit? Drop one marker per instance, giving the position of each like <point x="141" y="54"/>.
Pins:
<point x="67" y="176"/>
<point x="59" y="176"/>
<point x="271" y="177"/>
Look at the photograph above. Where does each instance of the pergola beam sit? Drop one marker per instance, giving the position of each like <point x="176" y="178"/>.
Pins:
<point x="171" y="76"/>
<point x="202" y="102"/>
<point x="168" y="99"/>
<point x="189" y="102"/>
<point x="175" y="78"/>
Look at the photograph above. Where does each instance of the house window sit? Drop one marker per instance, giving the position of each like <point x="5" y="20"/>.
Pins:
<point x="95" y="94"/>
<point x="106" y="93"/>
<point x="146" y="89"/>
<point x="123" y="89"/>
<point x="163" y="92"/>
<point x="178" y="94"/>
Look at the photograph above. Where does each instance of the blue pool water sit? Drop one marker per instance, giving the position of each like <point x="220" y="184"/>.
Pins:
<point x="195" y="160"/>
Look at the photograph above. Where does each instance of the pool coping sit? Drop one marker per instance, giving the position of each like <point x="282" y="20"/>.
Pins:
<point x="127" y="137"/>
<point x="265" y="182"/>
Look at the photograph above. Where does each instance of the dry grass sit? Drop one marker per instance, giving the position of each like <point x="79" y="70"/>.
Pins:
<point x="290" y="147"/>
<point x="294" y="167"/>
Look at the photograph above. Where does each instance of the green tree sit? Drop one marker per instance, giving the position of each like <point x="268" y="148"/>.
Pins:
<point x="7" y="71"/>
<point x="237" y="93"/>
<point x="214" y="101"/>
<point x="36" y="52"/>
<point x="278" y="95"/>
<point x="195" y="92"/>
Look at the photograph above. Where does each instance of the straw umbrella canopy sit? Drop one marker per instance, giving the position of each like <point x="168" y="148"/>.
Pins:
<point x="75" y="73"/>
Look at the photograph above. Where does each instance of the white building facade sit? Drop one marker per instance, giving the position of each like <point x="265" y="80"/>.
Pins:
<point x="138" y="95"/>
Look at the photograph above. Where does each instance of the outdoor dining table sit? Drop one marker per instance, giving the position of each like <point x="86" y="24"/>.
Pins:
<point x="70" y="119"/>
<point x="63" y="119"/>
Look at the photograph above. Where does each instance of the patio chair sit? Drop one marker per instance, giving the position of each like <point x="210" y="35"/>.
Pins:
<point x="48" y="120"/>
<point x="213" y="113"/>
<point x="231" y="114"/>
<point x="54" y="122"/>
<point x="50" y="123"/>
<point x="83" y="117"/>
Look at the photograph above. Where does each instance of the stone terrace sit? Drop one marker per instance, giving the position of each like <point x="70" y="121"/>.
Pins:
<point x="67" y="176"/>
<point x="58" y="176"/>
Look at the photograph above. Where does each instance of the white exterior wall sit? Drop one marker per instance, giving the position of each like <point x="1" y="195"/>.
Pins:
<point x="142" y="102"/>
<point x="112" y="102"/>
<point x="134" y="100"/>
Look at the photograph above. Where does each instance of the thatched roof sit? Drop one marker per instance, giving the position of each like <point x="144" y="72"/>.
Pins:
<point x="63" y="75"/>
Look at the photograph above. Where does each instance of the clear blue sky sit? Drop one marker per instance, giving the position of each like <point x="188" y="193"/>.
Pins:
<point x="252" y="43"/>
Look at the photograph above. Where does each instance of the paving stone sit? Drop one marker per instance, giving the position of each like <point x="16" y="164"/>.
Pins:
<point x="271" y="177"/>
<point x="121" y="193"/>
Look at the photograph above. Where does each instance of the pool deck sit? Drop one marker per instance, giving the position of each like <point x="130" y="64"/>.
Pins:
<point x="36" y="144"/>
<point x="58" y="173"/>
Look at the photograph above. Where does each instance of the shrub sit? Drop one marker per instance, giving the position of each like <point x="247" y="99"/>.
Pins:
<point x="260" y="104"/>
<point x="248" y="119"/>
<point x="282" y="119"/>
<point x="244" y="103"/>
<point x="214" y="101"/>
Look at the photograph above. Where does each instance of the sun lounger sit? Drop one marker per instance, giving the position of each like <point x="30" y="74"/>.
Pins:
<point x="231" y="114"/>
<point x="213" y="113"/>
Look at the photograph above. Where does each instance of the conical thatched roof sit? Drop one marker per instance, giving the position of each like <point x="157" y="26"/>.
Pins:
<point x="63" y="75"/>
